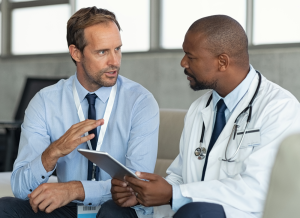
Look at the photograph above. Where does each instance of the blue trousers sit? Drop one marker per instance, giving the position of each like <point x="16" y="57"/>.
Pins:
<point x="200" y="210"/>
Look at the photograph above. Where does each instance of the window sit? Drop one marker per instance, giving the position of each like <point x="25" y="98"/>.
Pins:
<point x="40" y="30"/>
<point x="276" y="22"/>
<point x="178" y="15"/>
<point x="133" y="17"/>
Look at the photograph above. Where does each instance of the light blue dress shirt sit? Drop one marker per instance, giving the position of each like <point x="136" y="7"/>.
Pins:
<point x="131" y="136"/>
<point x="231" y="100"/>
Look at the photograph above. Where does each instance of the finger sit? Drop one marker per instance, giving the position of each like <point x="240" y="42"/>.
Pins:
<point x="37" y="191"/>
<point x="122" y="195"/>
<point x="134" y="181"/>
<point x="121" y="201"/>
<point x="83" y="139"/>
<point x="44" y="204"/>
<point x="37" y="201"/>
<point x="51" y="207"/>
<point x="86" y="126"/>
<point x="117" y="182"/>
<point x="140" y="201"/>
<point x="117" y="189"/>
<point x="136" y="189"/>
<point x="34" y="208"/>
<point x="147" y="176"/>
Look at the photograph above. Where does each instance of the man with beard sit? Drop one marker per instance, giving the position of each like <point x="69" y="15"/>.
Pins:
<point x="222" y="169"/>
<point x="58" y="117"/>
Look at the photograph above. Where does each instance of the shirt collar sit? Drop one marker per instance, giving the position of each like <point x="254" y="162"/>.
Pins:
<point x="102" y="93"/>
<point x="233" y="98"/>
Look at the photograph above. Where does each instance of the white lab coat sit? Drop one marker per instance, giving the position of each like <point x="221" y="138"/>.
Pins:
<point x="276" y="113"/>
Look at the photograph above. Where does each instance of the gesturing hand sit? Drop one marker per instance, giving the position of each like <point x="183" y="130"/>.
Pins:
<point x="68" y="142"/>
<point x="154" y="192"/>
<point x="122" y="194"/>
<point x="50" y="196"/>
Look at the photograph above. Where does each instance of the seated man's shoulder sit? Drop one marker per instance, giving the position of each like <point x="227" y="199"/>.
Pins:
<point x="57" y="88"/>
<point x="274" y="94"/>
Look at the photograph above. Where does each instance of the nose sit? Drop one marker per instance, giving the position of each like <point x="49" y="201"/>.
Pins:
<point x="184" y="62"/>
<point x="114" y="59"/>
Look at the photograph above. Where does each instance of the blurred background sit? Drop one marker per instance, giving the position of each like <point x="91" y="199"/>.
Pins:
<point x="33" y="45"/>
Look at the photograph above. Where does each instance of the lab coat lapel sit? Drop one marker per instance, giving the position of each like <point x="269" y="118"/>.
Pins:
<point x="208" y="117"/>
<point x="219" y="148"/>
<point x="201" y="115"/>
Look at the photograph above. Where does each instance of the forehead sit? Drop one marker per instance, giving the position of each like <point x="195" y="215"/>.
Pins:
<point x="103" y="34"/>
<point x="194" y="41"/>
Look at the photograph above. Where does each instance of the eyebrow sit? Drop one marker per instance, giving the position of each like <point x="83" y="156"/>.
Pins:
<point x="106" y="49"/>
<point x="188" y="53"/>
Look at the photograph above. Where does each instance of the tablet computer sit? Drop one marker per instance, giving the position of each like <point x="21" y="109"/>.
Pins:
<point x="107" y="163"/>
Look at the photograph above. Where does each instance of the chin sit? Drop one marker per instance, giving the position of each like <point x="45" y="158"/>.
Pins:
<point x="108" y="82"/>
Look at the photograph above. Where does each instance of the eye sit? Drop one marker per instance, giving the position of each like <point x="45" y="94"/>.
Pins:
<point x="102" y="52"/>
<point x="118" y="48"/>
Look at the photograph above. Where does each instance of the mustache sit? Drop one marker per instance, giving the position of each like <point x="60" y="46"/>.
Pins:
<point x="111" y="68"/>
<point x="186" y="73"/>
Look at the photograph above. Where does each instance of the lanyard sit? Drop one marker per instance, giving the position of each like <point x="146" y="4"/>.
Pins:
<point x="107" y="113"/>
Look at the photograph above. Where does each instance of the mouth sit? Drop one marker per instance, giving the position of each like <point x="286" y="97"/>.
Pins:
<point x="189" y="77"/>
<point x="111" y="73"/>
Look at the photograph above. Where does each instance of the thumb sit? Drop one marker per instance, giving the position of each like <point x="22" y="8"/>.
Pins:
<point x="147" y="176"/>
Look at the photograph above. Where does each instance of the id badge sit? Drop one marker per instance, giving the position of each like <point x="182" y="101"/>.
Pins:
<point x="87" y="211"/>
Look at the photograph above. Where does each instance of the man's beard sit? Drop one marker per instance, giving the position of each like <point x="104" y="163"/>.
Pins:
<point x="98" y="78"/>
<point x="201" y="85"/>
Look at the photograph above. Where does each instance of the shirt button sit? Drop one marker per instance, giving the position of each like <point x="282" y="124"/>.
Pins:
<point x="30" y="190"/>
<point x="43" y="177"/>
<point x="90" y="203"/>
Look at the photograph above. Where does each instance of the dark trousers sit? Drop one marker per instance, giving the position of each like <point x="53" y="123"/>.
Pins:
<point x="201" y="210"/>
<point x="110" y="209"/>
<point x="17" y="208"/>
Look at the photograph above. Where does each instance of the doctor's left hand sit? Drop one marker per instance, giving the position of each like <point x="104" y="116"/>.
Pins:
<point x="156" y="191"/>
<point x="50" y="196"/>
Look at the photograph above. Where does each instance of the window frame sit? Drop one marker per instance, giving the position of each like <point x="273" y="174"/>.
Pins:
<point x="6" y="7"/>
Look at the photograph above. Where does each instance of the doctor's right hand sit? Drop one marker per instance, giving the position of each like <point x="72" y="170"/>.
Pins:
<point x="68" y="142"/>
<point x="122" y="194"/>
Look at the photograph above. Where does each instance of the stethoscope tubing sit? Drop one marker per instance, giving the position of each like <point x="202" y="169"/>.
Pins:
<point x="234" y="130"/>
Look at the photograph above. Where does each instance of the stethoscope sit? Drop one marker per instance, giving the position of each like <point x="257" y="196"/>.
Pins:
<point x="200" y="152"/>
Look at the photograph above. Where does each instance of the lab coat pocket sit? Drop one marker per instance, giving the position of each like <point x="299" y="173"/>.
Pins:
<point x="239" y="148"/>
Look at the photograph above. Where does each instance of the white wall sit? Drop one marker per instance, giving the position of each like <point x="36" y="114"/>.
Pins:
<point x="159" y="72"/>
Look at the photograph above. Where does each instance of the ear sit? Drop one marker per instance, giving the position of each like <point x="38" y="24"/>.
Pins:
<point x="75" y="53"/>
<point x="223" y="62"/>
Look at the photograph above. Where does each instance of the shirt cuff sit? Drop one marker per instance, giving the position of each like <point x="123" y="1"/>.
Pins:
<point x="178" y="199"/>
<point x="142" y="210"/>
<point x="38" y="170"/>
<point x="96" y="192"/>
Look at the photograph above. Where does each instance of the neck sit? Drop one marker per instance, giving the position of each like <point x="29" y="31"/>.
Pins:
<point x="230" y="81"/>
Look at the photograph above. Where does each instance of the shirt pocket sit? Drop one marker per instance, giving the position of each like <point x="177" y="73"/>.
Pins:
<point x="238" y="150"/>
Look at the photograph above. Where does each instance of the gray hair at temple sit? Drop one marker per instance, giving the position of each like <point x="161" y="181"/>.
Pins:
<point x="224" y="35"/>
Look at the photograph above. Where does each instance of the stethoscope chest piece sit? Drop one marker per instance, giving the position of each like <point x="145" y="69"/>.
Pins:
<point x="200" y="152"/>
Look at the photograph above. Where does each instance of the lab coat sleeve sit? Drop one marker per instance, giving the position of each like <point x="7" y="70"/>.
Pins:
<point x="247" y="190"/>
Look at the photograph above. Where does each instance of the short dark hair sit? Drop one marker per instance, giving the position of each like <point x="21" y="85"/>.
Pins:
<point x="224" y="35"/>
<point x="84" y="18"/>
